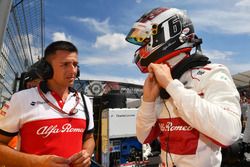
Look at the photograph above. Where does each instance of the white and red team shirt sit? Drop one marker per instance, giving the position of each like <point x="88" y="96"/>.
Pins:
<point x="202" y="115"/>
<point x="42" y="129"/>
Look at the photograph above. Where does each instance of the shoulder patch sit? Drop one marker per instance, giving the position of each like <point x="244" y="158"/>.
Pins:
<point x="222" y="76"/>
<point x="197" y="73"/>
<point x="4" y="109"/>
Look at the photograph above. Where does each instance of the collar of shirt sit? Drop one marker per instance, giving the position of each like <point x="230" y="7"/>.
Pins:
<point x="45" y="89"/>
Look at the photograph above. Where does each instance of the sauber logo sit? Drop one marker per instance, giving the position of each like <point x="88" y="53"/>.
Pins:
<point x="170" y="127"/>
<point x="45" y="131"/>
<point x="38" y="102"/>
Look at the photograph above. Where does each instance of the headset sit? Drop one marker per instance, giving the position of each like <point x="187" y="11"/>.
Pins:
<point x="44" y="70"/>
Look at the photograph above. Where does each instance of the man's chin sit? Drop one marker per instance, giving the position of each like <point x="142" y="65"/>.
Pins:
<point x="71" y="84"/>
<point x="71" y="80"/>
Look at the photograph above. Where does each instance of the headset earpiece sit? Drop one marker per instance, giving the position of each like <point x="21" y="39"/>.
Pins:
<point x="45" y="70"/>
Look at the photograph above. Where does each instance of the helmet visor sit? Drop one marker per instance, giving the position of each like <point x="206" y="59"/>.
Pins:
<point x="139" y="34"/>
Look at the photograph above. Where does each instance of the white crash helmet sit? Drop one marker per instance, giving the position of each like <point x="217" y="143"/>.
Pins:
<point x="163" y="34"/>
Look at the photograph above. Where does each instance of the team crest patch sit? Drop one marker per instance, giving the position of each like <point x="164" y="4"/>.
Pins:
<point x="4" y="109"/>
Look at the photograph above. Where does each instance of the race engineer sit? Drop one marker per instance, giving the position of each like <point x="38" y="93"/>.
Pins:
<point x="54" y="122"/>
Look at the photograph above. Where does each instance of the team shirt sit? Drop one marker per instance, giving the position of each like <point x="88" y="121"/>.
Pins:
<point x="41" y="128"/>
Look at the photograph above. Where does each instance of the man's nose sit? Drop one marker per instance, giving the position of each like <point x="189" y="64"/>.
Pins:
<point x="73" y="68"/>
